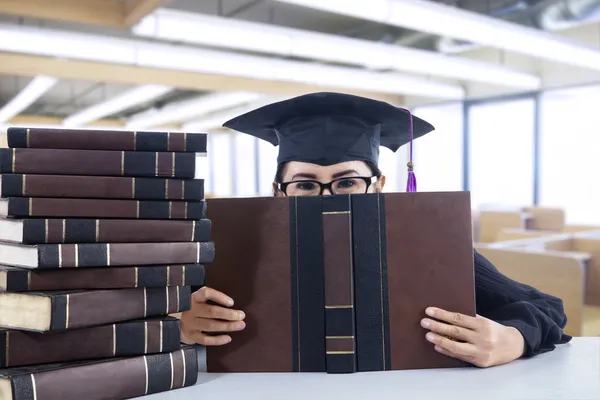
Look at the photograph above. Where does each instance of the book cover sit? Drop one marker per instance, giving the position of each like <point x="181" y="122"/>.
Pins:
<point x="109" y="378"/>
<point x="91" y="230"/>
<point x="129" y="338"/>
<point x="13" y="279"/>
<point x="105" y="139"/>
<point x="63" y="310"/>
<point x="98" y="163"/>
<point x="409" y="251"/>
<point x="100" y="187"/>
<point x="85" y="255"/>
<point x="21" y="207"/>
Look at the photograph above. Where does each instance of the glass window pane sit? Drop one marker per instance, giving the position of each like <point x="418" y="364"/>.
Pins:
<point x="221" y="164"/>
<point x="501" y="153"/>
<point x="438" y="156"/>
<point x="570" y="153"/>
<point x="388" y="164"/>
<point x="202" y="171"/>
<point x="245" y="165"/>
<point x="267" y="167"/>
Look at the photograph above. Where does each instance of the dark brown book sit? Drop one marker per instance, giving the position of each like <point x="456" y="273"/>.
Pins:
<point x="338" y="285"/>
<point x="96" y="139"/>
<point x="60" y="311"/>
<point x="13" y="279"/>
<point x="104" y="379"/>
<point x="409" y="251"/>
<point x="98" y="163"/>
<point x="19" y="207"/>
<point x="100" y="187"/>
<point x="130" y="338"/>
<point x="86" y="255"/>
<point x="81" y="230"/>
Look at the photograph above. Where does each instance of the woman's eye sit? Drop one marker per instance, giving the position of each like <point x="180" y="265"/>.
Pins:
<point x="305" y="186"/>
<point x="346" y="183"/>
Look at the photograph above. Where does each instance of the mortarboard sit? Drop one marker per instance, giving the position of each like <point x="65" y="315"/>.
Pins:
<point x="329" y="128"/>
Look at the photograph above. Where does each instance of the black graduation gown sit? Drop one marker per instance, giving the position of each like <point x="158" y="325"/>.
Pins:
<point x="538" y="316"/>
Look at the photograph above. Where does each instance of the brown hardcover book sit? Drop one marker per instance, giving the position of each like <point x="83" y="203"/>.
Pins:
<point x="19" y="207"/>
<point x="98" y="163"/>
<point x="408" y="251"/>
<point x="130" y="338"/>
<point x="82" y="230"/>
<point x="100" y="187"/>
<point x="74" y="255"/>
<point x="13" y="279"/>
<point x="104" y="379"/>
<point x="96" y="139"/>
<point x="60" y="311"/>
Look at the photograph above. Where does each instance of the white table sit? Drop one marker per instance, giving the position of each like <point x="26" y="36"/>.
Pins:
<point x="570" y="372"/>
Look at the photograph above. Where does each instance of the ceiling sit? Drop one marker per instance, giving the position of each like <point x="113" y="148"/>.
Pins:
<point x="69" y="96"/>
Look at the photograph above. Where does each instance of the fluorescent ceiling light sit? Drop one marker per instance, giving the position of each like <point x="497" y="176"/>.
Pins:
<point x="445" y="20"/>
<point x="174" y="25"/>
<point x="81" y="46"/>
<point x="121" y="102"/>
<point x="188" y="109"/>
<point x="33" y="91"/>
<point x="216" y="120"/>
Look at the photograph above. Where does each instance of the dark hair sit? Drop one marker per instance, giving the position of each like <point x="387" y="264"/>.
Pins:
<point x="281" y="168"/>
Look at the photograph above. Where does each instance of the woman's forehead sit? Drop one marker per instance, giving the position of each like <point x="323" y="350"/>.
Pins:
<point x="295" y="167"/>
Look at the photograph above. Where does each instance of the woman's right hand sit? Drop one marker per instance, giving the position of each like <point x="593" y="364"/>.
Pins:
<point x="205" y="318"/>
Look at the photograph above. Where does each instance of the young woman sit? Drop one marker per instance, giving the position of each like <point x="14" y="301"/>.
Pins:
<point x="328" y="144"/>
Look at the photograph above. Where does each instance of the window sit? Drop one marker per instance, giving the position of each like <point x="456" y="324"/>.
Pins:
<point x="569" y="153"/>
<point x="267" y="167"/>
<point x="438" y="156"/>
<point x="245" y="164"/>
<point x="501" y="153"/>
<point x="221" y="164"/>
<point x="389" y="164"/>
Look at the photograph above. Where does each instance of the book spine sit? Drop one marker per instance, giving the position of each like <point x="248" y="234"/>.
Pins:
<point x="72" y="310"/>
<point x="308" y="302"/>
<point x="370" y="283"/>
<point x="101" y="187"/>
<point x="98" y="163"/>
<point x="38" y="231"/>
<point x="338" y="282"/>
<point x="82" y="139"/>
<point x="19" y="207"/>
<point x="113" y="340"/>
<point x="23" y="280"/>
<point x="123" y="254"/>
<point x="111" y="379"/>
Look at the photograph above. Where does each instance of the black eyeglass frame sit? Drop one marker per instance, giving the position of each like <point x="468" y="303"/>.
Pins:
<point x="368" y="181"/>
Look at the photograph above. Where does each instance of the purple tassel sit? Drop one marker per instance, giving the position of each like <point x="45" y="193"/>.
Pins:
<point x="411" y="184"/>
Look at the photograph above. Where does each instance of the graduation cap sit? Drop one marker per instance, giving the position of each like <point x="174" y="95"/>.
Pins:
<point x="329" y="128"/>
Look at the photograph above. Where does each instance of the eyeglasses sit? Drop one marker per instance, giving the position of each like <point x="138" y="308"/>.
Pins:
<point x="352" y="185"/>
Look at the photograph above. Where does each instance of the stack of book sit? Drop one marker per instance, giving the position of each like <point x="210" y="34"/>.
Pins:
<point x="102" y="236"/>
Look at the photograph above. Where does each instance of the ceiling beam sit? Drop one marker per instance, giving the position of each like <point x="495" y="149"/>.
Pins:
<point x="25" y="119"/>
<point x="106" y="13"/>
<point x="135" y="10"/>
<point x="28" y="65"/>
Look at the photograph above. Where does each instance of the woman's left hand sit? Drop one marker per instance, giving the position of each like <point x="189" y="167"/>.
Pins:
<point x="476" y="340"/>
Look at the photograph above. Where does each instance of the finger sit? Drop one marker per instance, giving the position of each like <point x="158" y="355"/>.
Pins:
<point x="453" y="318"/>
<point x="211" y="325"/>
<point x="216" y="340"/>
<point x="217" y="312"/>
<point x="205" y="293"/>
<point x="460" y="349"/>
<point x="455" y="332"/>
<point x="448" y="353"/>
<point x="207" y="340"/>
